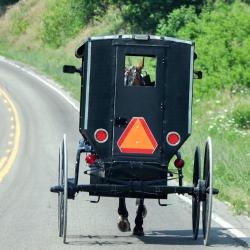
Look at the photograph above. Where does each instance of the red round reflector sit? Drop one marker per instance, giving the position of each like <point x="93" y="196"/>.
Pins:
<point x="101" y="135"/>
<point x="90" y="159"/>
<point x="173" y="138"/>
<point x="179" y="163"/>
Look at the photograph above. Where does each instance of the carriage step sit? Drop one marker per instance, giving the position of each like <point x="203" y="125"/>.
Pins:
<point x="56" y="189"/>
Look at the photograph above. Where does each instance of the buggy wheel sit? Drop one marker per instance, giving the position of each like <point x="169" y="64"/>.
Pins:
<point x="208" y="186"/>
<point x="195" y="197"/>
<point x="65" y="188"/>
<point x="62" y="196"/>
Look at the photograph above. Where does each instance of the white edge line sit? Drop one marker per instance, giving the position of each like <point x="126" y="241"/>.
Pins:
<point x="3" y="59"/>
<point x="215" y="217"/>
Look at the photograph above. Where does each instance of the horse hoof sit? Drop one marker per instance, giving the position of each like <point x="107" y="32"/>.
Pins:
<point x="123" y="224"/>
<point x="138" y="232"/>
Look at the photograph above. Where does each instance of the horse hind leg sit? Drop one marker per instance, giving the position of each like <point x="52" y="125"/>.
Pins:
<point x="145" y="211"/>
<point x="141" y="212"/>
<point x="123" y="223"/>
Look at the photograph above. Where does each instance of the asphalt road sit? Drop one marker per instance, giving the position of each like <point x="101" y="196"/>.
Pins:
<point x="28" y="211"/>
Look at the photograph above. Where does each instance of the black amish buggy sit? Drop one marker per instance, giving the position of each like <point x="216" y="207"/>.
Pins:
<point x="135" y="114"/>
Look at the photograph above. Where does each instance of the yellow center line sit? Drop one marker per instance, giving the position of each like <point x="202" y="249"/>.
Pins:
<point x="8" y="162"/>
<point x="2" y="161"/>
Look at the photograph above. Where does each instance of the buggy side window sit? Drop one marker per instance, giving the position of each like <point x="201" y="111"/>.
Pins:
<point x="140" y="70"/>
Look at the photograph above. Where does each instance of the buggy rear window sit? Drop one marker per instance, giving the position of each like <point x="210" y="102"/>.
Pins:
<point x="140" y="70"/>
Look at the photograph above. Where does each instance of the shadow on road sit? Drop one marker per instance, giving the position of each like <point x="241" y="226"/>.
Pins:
<point x="100" y="240"/>
<point x="219" y="237"/>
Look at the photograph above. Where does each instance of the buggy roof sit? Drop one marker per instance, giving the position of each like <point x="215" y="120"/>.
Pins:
<point x="139" y="37"/>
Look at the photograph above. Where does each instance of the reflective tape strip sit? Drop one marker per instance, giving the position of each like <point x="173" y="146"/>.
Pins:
<point x="86" y="115"/>
<point x="190" y="89"/>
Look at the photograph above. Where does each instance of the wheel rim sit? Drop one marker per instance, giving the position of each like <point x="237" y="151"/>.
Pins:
<point x="65" y="193"/>
<point x="207" y="203"/>
<point x="60" y="195"/>
<point x="195" y="198"/>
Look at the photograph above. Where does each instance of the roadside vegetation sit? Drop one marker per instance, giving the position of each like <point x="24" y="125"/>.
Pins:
<point x="45" y="34"/>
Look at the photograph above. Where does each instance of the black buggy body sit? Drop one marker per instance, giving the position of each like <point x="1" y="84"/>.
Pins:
<point x="135" y="114"/>
<point x="107" y="103"/>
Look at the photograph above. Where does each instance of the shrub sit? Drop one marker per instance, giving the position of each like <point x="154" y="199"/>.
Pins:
<point x="7" y="2"/>
<point x="144" y="15"/>
<point x="61" y="21"/>
<point x="65" y="19"/>
<point x="222" y="36"/>
<point x="4" y="4"/>
<point x="241" y="116"/>
<point x="177" y="20"/>
<point x="19" y="20"/>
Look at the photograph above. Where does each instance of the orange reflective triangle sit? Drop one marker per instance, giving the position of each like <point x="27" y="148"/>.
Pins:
<point x="137" y="138"/>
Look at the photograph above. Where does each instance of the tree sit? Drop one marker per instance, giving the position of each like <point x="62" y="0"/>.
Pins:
<point x="7" y="2"/>
<point x="144" y="15"/>
<point x="4" y="4"/>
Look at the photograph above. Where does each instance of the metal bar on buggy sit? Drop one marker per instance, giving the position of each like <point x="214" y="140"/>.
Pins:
<point x="82" y="147"/>
<point x="134" y="188"/>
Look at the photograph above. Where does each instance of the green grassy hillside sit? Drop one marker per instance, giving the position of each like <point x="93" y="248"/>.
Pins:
<point x="222" y="98"/>
<point x="45" y="34"/>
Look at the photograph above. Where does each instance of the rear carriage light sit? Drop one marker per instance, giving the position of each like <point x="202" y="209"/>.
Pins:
<point x="90" y="159"/>
<point x="179" y="163"/>
<point x="173" y="138"/>
<point x="101" y="135"/>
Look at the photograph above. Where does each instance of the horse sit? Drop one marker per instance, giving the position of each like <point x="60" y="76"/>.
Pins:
<point x="133" y="75"/>
<point x="123" y="222"/>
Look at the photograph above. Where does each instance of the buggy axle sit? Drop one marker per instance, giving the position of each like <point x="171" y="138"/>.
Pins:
<point x="133" y="189"/>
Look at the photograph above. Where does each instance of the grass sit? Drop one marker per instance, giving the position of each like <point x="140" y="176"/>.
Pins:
<point x="27" y="47"/>
<point x="241" y="116"/>
<point x="49" y="62"/>
<point x="213" y="117"/>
